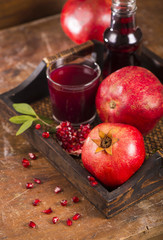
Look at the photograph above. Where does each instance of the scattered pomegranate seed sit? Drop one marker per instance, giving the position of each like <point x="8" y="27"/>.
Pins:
<point x="38" y="126"/>
<point x="64" y="202"/>
<point x="93" y="183"/>
<point x="57" y="189"/>
<point x="29" y="185"/>
<point x="37" y="180"/>
<point x="76" y="216"/>
<point x="32" y="224"/>
<point x="90" y="178"/>
<point x="75" y="199"/>
<point x="69" y="222"/>
<point x="25" y="162"/>
<point x="32" y="156"/>
<point x="45" y="134"/>
<point x="72" y="139"/>
<point x="36" y="202"/>
<point x="47" y="211"/>
<point x="55" y="219"/>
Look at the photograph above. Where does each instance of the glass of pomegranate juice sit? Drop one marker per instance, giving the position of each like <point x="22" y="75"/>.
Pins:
<point x="72" y="88"/>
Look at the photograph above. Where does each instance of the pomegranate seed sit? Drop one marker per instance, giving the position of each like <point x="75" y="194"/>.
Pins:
<point x="29" y="185"/>
<point x="55" y="219"/>
<point x="32" y="224"/>
<point x="75" y="199"/>
<point x="47" y="211"/>
<point x="38" y="126"/>
<point x="93" y="183"/>
<point x="25" y="162"/>
<point x="37" y="180"/>
<point x="64" y="202"/>
<point x="32" y="156"/>
<point x="90" y="178"/>
<point x="46" y="134"/>
<point x="69" y="222"/>
<point x="76" y="216"/>
<point x="36" y="202"/>
<point x="71" y="139"/>
<point x="57" y="189"/>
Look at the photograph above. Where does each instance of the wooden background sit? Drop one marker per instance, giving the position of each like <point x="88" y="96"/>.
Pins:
<point x="14" y="12"/>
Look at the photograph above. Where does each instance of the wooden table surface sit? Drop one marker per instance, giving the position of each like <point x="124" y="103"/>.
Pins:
<point x="21" y="50"/>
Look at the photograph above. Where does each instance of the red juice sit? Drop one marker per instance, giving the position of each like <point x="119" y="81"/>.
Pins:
<point x="122" y="40"/>
<point x="72" y="89"/>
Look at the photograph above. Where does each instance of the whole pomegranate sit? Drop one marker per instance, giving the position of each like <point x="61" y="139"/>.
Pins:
<point x="84" y="20"/>
<point x="131" y="95"/>
<point x="113" y="152"/>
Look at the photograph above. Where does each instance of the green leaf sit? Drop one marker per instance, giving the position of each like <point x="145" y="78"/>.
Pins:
<point x="24" y="108"/>
<point x="24" y="127"/>
<point x="46" y="119"/>
<point x="21" y="119"/>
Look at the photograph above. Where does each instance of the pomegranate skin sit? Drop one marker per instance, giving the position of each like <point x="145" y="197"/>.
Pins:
<point x="84" y="20"/>
<point x="128" y="154"/>
<point x="131" y="95"/>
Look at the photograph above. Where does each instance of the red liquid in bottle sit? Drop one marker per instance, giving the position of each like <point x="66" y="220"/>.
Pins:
<point x="122" y="41"/>
<point x="72" y="91"/>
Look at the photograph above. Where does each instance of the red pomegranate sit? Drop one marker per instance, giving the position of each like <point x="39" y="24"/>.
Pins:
<point x="131" y="95"/>
<point x="84" y="20"/>
<point x="113" y="152"/>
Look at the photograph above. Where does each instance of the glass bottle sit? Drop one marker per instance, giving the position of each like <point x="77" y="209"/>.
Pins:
<point x="123" y="39"/>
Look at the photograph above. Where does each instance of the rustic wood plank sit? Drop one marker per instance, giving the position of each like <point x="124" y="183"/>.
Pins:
<point x="15" y="12"/>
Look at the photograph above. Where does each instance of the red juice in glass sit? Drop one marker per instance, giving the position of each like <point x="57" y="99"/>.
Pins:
<point x="72" y="89"/>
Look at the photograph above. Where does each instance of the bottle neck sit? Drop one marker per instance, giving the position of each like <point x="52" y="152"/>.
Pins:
<point x="123" y="6"/>
<point x="123" y="16"/>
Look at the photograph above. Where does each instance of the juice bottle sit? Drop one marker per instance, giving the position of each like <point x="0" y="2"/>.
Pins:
<point x="123" y="38"/>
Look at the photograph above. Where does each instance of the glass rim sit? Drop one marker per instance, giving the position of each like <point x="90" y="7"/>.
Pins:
<point x="74" y="87"/>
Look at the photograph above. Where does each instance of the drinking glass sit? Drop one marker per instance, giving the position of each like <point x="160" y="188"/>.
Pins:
<point x="72" y="86"/>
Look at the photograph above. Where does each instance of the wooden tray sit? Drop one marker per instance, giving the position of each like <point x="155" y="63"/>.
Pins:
<point x="145" y="182"/>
